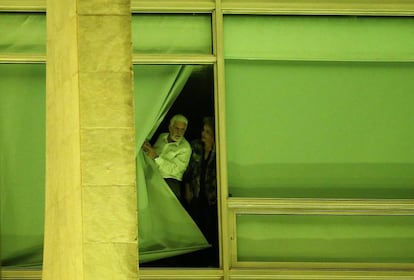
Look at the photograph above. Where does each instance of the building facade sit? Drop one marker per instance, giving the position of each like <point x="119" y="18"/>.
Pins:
<point x="312" y="102"/>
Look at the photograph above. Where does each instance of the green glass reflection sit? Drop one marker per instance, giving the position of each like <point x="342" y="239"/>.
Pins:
<point x="23" y="33"/>
<point x="319" y="129"/>
<point x="22" y="163"/>
<point x="318" y="38"/>
<point x="313" y="238"/>
<point x="171" y="34"/>
<point x="161" y="92"/>
<point x="151" y="33"/>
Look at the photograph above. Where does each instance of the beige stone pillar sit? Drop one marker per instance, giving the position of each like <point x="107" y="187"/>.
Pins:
<point x="91" y="209"/>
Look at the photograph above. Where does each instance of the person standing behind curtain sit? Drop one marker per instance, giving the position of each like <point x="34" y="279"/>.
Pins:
<point x="200" y="183"/>
<point x="171" y="153"/>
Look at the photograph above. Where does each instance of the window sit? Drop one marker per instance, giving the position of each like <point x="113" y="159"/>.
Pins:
<point x="336" y="72"/>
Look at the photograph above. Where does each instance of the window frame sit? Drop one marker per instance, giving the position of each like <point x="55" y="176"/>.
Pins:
<point x="228" y="206"/>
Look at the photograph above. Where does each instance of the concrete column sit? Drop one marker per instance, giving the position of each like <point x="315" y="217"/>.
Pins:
<point x="91" y="208"/>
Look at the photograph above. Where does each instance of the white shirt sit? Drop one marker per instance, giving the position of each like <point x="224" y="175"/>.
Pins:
<point x="173" y="157"/>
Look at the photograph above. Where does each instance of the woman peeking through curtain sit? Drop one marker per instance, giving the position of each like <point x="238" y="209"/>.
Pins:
<point x="200" y="183"/>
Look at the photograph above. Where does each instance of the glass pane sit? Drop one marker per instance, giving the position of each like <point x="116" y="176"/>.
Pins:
<point x="22" y="163"/>
<point x="171" y="34"/>
<point x="23" y="33"/>
<point x="174" y="228"/>
<point x="178" y="34"/>
<point x="313" y="238"/>
<point x="318" y="38"/>
<point x="320" y="129"/>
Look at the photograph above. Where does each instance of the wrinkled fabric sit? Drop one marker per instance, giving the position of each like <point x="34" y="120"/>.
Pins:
<point x="165" y="228"/>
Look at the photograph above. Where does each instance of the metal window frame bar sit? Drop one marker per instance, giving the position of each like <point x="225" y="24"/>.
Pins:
<point x="230" y="268"/>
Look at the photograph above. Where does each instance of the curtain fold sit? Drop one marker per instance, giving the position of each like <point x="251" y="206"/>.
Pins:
<point x="165" y="228"/>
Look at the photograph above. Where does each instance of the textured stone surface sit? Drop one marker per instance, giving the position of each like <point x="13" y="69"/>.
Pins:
<point x="91" y="210"/>
<point x="63" y="251"/>
<point x="104" y="43"/>
<point x="58" y="15"/>
<point x="107" y="213"/>
<point x="63" y="189"/>
<point x="64" y="54"/>
<point x="110" y="261"/>
<point x="63" y="139"/>
<point x="104" y="7"/>
<point x="106" y="99"/>
<point x="108" y="156"/>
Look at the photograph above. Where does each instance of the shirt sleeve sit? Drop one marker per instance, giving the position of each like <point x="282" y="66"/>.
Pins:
<point x="175" y="166"/>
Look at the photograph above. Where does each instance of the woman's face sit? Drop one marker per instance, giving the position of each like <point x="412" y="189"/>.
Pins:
<point x="207" y="134"/>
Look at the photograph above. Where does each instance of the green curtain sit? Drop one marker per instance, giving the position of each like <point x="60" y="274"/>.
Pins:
<point x="165" y="228"/>
<point x="319" y="38"/>
<point x="23" y="33"/>
<point x="162" y="233"/>
<point x="171" y="33"/>
<point x="22" y="163"/>
<point x="320" y="130"/>
<point x="320" y="107"/>
<point x="22" y="98"/>
<point x="306" y="118"/>
<point x="331" y="238"/>
<point x="22" y="141"/>
<point x="156" y="87"/>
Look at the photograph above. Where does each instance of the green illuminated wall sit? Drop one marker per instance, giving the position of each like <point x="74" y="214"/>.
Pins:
<point x="316" y="107"/>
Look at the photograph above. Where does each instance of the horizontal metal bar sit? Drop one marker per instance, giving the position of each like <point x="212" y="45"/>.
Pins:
<point x="137" y="59"/>
<point x="321" y="7"/>
<point x="302" y="7"/>
<point x="174" y="273"/>
<point x="195" y="59"/>
<point x="201" y="6"/>
<point x="22" y="58"/>
<point x="23" y="6"/>
<point x="20" y="274"/>
<point x="322" y="206"/>
<point x="327" y="59"/>
<point x="319" y="274"/>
